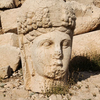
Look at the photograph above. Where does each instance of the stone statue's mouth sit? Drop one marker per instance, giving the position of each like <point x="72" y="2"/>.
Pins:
<point x="58" y="63"/>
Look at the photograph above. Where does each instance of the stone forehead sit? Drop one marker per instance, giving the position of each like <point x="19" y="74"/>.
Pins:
<point x="44" y="14"/>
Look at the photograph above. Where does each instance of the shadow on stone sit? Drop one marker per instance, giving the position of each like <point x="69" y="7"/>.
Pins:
<point x="9" y="71"/>
<point x="81" y="67"/>
<point x="19" y="65"/>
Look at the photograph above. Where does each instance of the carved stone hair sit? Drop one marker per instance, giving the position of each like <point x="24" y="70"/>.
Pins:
<point x="45" y="14"/>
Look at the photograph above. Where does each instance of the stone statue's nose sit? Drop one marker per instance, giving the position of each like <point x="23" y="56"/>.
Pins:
<point x="57" y="52"/>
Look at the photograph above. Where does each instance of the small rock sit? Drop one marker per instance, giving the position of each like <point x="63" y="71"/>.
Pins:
<point x="2" y="90"/>
<point x="59" y="97"/>
<point x="21" y="86"/>
<point x="17" y="80"/>
<point x="53" y="97"/>
<point x="21" y="93"/>
<point x="41" y="95"/>
<point x="14" y="74"/>
<point x="35" y="96"/>
<point x="2" y="84"/>
<point x="9" y="85"/>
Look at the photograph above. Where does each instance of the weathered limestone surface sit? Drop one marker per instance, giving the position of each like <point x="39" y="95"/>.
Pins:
<point x="9" y="20"/>
<point x="88" y="17"/>
<point x="96" y="3"/>
<point x="86" y="2"/>
<point x="86" y="43"/>
<point x="9" y="39"/>
<point x="7" y="4"/>
<point x="45" y="33"/>
<point x="9" y="56"/>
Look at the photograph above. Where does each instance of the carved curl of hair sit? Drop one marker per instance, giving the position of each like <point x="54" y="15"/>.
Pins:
<point x="41" y="18"/>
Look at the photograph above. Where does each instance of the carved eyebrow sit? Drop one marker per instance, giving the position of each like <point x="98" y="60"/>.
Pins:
<point x="66" y="39"/>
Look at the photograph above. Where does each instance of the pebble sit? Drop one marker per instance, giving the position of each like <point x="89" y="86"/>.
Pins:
<point x="59" y="97"/>
<point x="53" y="97"/>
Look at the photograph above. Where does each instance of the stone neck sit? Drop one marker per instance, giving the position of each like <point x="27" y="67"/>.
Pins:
<point x="42" y="84"/>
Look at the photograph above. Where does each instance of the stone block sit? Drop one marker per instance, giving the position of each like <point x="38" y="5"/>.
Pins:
<point x="9" y="56"/>
<point x="9" y="20"/>
<point x="9" y="39"/>
<point x="86" y="43"/>
<point x="88" y="17"/>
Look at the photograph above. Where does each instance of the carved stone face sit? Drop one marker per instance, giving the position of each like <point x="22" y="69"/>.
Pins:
<point x="51" y="54"/>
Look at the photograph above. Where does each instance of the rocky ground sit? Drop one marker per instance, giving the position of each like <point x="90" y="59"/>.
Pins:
<point x="87" y="88"/>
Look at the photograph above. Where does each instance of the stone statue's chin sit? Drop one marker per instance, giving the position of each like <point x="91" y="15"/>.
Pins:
<point x="55" y="72"/>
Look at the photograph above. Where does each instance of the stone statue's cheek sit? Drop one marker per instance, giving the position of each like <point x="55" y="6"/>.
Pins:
<point x="66" y="44"/>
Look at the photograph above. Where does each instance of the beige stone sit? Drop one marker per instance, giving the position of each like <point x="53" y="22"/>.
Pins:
<point x="86" y="43"/>
<point x="59" y="97"/>
<point x="9" y="20"/>
<point x="21" y="93"/>
<point x="9" y="39"/>
<point x="22" y="1"/>
<point x="88" y="17"/>
<point x="45" y="34"/>
<point x="7" y="4"/>
<point x="96" y="3"/>
<point x="86" y="2"/>
<point x="5" y="71"/>
<point x="18" y="2"/>
<point x="53" y="97"/>
<point x="9" y="56"/>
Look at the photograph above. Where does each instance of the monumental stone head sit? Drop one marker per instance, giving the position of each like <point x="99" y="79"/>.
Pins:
<point x="45" y="30"/>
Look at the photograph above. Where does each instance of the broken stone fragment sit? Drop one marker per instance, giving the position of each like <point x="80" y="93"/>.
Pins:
<point x="9" y="56"/>
<point x="5" y="72"/>
<point x="9" y="39"/>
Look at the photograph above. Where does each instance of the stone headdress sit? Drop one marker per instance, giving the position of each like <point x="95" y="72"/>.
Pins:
<point x="46" y="14"/>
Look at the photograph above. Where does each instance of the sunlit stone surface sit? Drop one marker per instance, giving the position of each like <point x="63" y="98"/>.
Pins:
<point x="45" y="35"/>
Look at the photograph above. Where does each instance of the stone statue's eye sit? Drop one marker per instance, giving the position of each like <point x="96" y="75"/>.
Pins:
<point x="65" y="43"/>
<point x="47" y="43"/>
